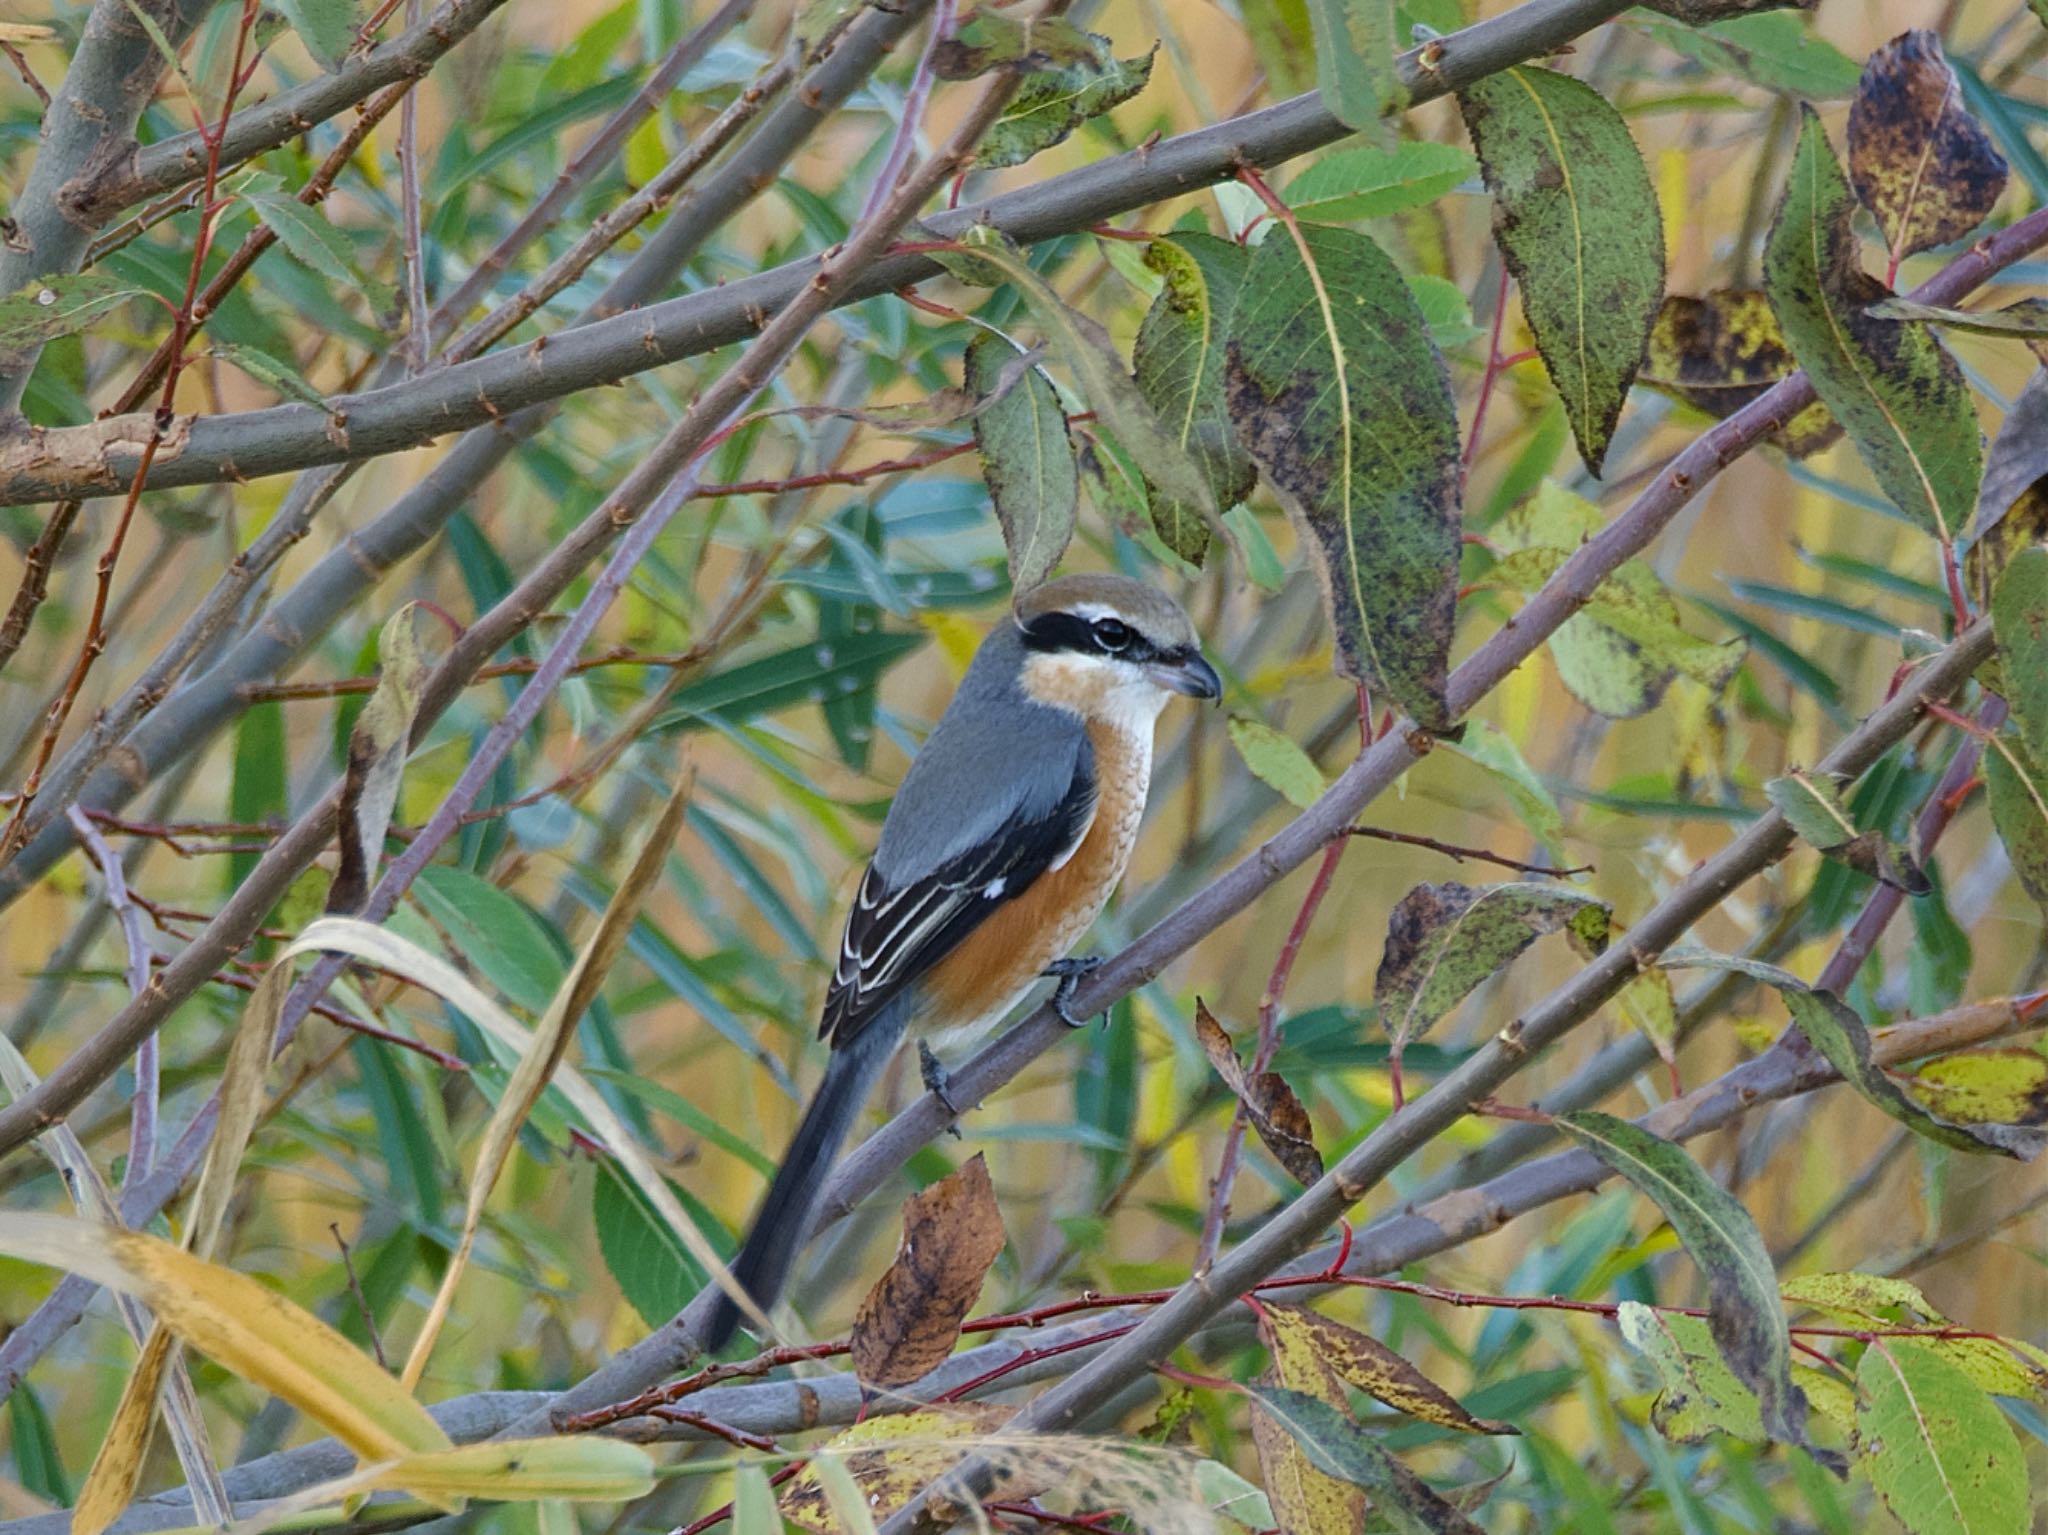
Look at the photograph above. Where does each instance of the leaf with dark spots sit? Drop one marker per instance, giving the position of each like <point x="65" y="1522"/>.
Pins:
<point x="1743" y="1310"/>
<point x="2016" y="790"/>
<point x="1338" y="1447"/>
<point x="1026" y="456"/>
<point x="2012" y="503"/>
<point x="1178" y="360"/>
<point x="1813" y="807"/>
<point x="1721" y="350"/>
<point x="1341" y="397"/>
<point x="2019" y="615"/>
<point x="1305" y="1499"/>
<point x="1985" y="1087"/>
<point x="1443" y="940"/>
<point x="1373" y="1368"/>
<point x="1923" y="166"/>
<point x="987" y="40"/>
<point x="1577" y="223"/>
<point x="1698" y="1395"/>
<point x="2028" y="317"/>
<point x="907" y="1326"/>
<point x="378" y="744"/>
<point x="1938" y="1449"/>
<point x="1052" y="103"/>
<point x="1269" y="1103"/>
<point x="891" y="1458"/>
<point x="1838" y="1033"/>
<point x="1699" y="13"/>
<point x="1896" y="392"/>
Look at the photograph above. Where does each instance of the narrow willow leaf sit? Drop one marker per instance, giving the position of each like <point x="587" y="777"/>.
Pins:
<point x="243" y="1325"/>
<point x="314" y="243"/>
<point x="1368" y="182"/>
<point x="1277" y="761"/>
<point x="271" y="372"/>
<point x="2028" y="317"/>
<point x="58" y="306"/>
<point x="2012" y="503"/>
<point x="581" y="1466"/>
<point x="1924" y="167"/>
<point x="1375" y="1369"/>
<point x="1338" y="1447"/>
<point x="1938" y="1450"/>
<point x="753" y="1503"/>
<point x="378" y="745"/>
<point x="1178" y="359"/>
<point x="110" y="1485"/>
<point x="1532" y="802"/>
<point x="1837" y="1032"/>
<point x="1304" y="1498"/>
<point x="1027" y="458"/>
<point x="1721" y="350"/>
<point x="1443" y="940"/>
<point x="1355" y="50"/>
<point x="2016" y="788"/>
<point x="1893" y="388"/>
<point x="1086" y="350"/>
<point x="1698" y="1395"/>
<point x="1577" y="222"/>
<point x="1813" y="807"/>
<point x="2019" y="615"/>
<point x="1051" y="103"/>
<point x="1342" y="398"/>
<point x="1743" y="1312"/>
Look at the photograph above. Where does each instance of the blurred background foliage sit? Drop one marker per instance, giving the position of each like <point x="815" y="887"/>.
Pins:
<point x="838" y="617"/>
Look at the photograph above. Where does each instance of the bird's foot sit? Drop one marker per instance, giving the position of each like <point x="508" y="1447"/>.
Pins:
<point x="1069" y="973"/>
<point x="933" y="1074"/>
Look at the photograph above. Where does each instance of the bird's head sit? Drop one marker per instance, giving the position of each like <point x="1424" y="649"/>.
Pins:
<point x="1109" y="649"/>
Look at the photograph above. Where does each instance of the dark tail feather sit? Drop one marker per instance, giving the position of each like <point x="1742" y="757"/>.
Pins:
<point x="784" y="1219"/>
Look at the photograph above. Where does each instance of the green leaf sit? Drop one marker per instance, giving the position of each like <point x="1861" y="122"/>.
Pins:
<point x="38" y="1463"/>
<point x="1743" y="1312"/>
<point x="1938" y="1450"/>
<point x="2016" y="789"/>
<point x="1342" y="398"/>
<point x="987" y="39"/>
<point x="1178" y="359"/>
<point x="326" y="27"/>
<point x="1087" y="352"/>
<point x="1577" y="223"/>
<point x="271" y="372"/>
<point x="494" y="932"/>
<point x="1443" y="940"/>
<point x="1698" y="1394"/>
<point x="753" y="1503"/>
<point x="1277" y="761"/>
<point x="1052" y="103"/>
<point x="1838" y="1033"/>
<point x="1813" y="808"/>
<point x="654" y="1271"/>
<point x="2028" y="317"/>
<point x="1896" y="392"/>
<point x="1369" y="182"/>
<point x="58" y="306"/>
<point x="1925" y="168"/>
<point x="1777" y="51"/>
<point x="801" y="674"/>
<point x="1338" y="1447"/>
<point x="1027" y="457"/>
<point x="2019" y="616"/>
<point x="1721" y="350"/>
<point x="257" y="791"/>
<point x="1355" y="50"/>
<point x="1532" y="803"/>
<point x="315" y="244"/>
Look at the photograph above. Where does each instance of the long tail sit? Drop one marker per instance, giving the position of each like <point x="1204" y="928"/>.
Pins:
<point x="784" y="1219"/>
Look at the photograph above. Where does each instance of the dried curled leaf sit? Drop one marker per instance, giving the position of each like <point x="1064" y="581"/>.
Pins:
<point x="2012" y="502"/>
<point x="377" y="748"/>
<point x="1719" y="351"/>
<point x="1269" y="1103"/>
<point x="952" y="1233"/>
<point x="1923" y="166"/>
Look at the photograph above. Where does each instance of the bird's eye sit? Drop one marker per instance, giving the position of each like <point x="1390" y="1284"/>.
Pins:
<point x="1111" y="635"/>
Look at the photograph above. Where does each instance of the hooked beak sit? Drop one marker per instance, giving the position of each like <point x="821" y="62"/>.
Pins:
<point x="1187" y="674"/>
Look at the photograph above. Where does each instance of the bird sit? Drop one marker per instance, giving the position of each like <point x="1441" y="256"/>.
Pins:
<point x="1005" y="838"/>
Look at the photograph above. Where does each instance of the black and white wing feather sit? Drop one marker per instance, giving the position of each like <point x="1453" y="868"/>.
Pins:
<point x="897" y="932"/>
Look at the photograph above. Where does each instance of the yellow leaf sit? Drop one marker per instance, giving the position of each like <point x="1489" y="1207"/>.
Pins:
<point x="242" y="1325"/>
<point x="575" y="1466"/>
<point x="110" y="1485"/>
<point x="889" y="1459"/>
<point x="958" y="639"/>
<point x="1305" y="1501"/>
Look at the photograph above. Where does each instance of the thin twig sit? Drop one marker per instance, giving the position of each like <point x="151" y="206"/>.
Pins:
<point x="1459" y="854"/>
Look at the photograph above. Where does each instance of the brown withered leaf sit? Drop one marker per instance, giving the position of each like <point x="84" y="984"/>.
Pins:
<point x="2012" y="500"/>
<point x="1373" y="1368"/>
<point x="891" y="1458"/>
<point x="377" y="749"/>
<point x="911" y="1319"/>
<point x="1269" y="1103"/>
<point x="987" y="40"/>
<point x="1921" y="164"/>
<point x="1305" y="1501"/>
<point x="1720" y="351"/>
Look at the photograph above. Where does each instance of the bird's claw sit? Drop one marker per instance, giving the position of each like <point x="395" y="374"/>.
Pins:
<point x="1069" y="973"/>
<point x="933" y="1075"/>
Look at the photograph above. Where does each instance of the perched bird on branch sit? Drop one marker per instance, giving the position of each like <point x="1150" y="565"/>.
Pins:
<point x="1008" y="834"/>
